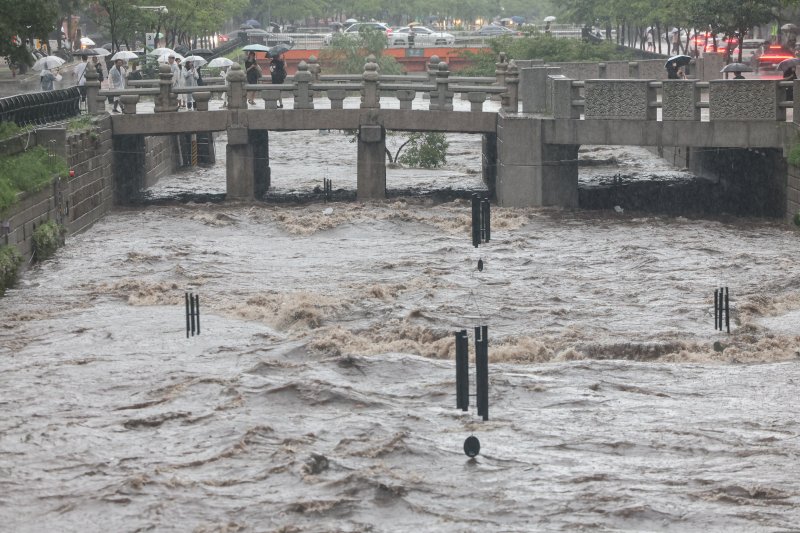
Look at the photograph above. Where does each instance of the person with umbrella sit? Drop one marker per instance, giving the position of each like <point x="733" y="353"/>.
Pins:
<point x="189" y="80"/>
<point x="277" y="68"/>
<point x="47" y="78"/>
<point x="253" y="73"/>
<point x="80" y="76"/>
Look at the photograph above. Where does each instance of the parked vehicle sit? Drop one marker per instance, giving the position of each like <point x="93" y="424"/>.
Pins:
<point x="773" y="55"/>
<point x="493" y="30"/>
<point x="422" y="37"/>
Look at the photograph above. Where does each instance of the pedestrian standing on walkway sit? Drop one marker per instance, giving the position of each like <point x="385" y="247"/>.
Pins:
<point x="116" y="79"/>
<point x="253" y="73"/>
<point x="46" y="78"/>
<point x="181" y="82"/>
<point x="189" y="80"/>
<point x="80" y="76"/>
<point x="277" y="68"/>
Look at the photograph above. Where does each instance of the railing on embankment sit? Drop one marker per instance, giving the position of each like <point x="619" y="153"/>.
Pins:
<point x="40" y="108"/>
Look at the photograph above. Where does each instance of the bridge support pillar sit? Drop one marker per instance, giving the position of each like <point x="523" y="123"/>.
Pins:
<point x="531" y="173"/>
<point x="129" y="167"/>
<point x="247" y="172"/>
<point x="371" y="163"/>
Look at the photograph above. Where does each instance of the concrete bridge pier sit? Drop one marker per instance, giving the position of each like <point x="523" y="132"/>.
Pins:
<point x="247" y="172"/>
<point x="371" y="168"/>
<point x="129" y="167"/>
<point x="531" y="173"/>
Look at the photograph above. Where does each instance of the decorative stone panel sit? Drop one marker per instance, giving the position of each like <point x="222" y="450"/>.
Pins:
<point x="619" y="99"/>
<point x="744" y="100"/>
<point x="679" y="100"/>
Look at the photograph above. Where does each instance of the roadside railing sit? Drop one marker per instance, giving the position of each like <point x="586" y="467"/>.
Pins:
<point x="41" y="107"/>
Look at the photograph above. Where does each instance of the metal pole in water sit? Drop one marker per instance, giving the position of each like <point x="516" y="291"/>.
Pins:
<point x="727" y="311"/>
<point x="485" y="218"/>
<point x="194" y="149"/>
<point x="716" y="307"/>
<point x="476" y="220"/>
<point x="482" y="370"/>
<point x="186" y="298"/>
<point x="197" y="311"/>
<point x="462" y="370"/>
<point x="191" y="310"/>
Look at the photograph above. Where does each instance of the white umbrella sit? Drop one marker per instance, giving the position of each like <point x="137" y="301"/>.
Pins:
<point x="124" y="55"/>
<point x="85" y="41"/>
<point x="350" y="21"/>
<point x="196" y="60"/>
<point x="102" y="52"/>
<point x="48" y="62"/>
<point x="165" y="57"/>
<point x="161" y="51"/>
<point x="549" y="19"/>
<point x="220" y="62"/>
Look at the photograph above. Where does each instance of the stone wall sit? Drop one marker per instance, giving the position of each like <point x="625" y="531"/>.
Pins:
<point x="78" y="202"/>
<point x="792" y="191"/>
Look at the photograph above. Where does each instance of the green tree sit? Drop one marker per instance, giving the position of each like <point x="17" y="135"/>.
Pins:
<point x="734" y="17"/>
<point x="36" y="20"/>
<point x="347" y="53"/>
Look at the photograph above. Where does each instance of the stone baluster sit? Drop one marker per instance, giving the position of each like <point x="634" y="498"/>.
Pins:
<point x="406" y="96"/>
<point x="271" y="97"/>
<point x="562" y="94"/>
<point x="500" y="69"/>
<point x="442" y="97"/>
<point x="336" y="96"/>
<point x="433" y="68"/>
<point x="633" y="70"/>
<point x="237" y="96"/>
<point x="510" y="99"/>
<point x="303" y="99"/>
<point x="93" y="103"/>
<point x="314" y="68"/>
<point x="602" y="70"/>
<point x="476" y="101"/>
<point x="201" y="100"/>
<point x="129" y="102"/>
<point x="370" y="92"/>
<point x="165" y="101"/>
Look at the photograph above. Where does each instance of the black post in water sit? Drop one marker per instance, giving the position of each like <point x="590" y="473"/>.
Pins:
<point x="485" y="219"/>
<point x="716" y="308"/>
<point x="462" y="370"/>
<point x="327" y="188"/>
<point x="186" y="297"/>
<point x="197" y="311"/>
<point x="191" y="310"/>
<point x="476" y="220"/>
<point x="721" y="308"/>
<point x="482" y="370"/>
<point x="727" y="311"/>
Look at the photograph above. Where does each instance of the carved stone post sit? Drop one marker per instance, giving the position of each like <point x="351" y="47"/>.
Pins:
<point x="314" y="68"/>
<point x="442" y="97"/>
<point x="165" y="101"/>
<point x="201" y="100"/>
<point x="476" y="101"/>
<point x="93" y="104"/>
<point x="510" y="99"/>
<point x="303" y="99"/>
<point x="406" y="97"/>
<point x="237" y="96"/>
<point x="370" y="93"/>
<point x="336" y="96"/>
<point x="500" y="69"/>
<point x="129" y="102"/>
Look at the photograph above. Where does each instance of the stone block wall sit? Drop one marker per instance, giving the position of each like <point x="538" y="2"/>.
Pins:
<point x="160" y="158"/>
<point x="88" y="195"/>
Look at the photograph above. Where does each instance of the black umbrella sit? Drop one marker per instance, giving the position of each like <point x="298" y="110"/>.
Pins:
<point x="201" y="52"/>
<point x="680" y="60"/>
<point x="786" y="64"/>
<point x="278" y="49"/>
<point x="84" y="52"/>
<point x="737" y="67"/>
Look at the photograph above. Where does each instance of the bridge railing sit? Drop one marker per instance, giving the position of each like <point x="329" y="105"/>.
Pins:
<point x="677" y="100"/>
<point x="437" y="85"/>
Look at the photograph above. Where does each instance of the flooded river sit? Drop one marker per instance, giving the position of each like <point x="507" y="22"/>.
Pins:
<point x="320" y="394"/>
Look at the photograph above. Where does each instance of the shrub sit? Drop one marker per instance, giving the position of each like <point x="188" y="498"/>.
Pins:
<point x="794" y="155"/>
<point x="797" y="219"/>
<point x="8" y="129"/>
<point x="425" y="150"/>
<point x="9" y="267"/>
<point x="347" y="53"/>
<point x="47" y="238"/>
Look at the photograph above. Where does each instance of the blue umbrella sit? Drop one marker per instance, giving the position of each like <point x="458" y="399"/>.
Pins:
<point x="516" y="19"/>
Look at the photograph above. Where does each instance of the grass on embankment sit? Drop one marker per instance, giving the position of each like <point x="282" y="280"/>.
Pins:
<point x="30" y="171"/>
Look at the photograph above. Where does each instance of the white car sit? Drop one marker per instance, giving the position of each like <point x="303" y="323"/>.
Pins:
<point x="353" y="29"/>
<point x="422" y="37"/>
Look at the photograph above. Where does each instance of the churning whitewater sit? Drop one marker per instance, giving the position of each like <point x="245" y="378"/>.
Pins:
<point x="320" y="394"/>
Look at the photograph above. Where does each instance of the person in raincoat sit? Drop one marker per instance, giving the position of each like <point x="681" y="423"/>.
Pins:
<point x="47" y="78"/>
<point x="189" y="80"/>
<point x="116" y="79"/>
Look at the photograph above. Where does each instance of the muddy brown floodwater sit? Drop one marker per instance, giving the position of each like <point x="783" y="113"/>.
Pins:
<point x="320" y="395"/>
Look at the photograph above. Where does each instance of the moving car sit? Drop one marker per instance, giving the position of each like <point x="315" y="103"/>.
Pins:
<point x="353" y="29"/>
<point x="422" y="37"/>
<point x="773" y="55"/>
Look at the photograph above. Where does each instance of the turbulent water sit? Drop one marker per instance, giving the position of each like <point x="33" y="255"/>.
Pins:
<point x="320" y="394"/>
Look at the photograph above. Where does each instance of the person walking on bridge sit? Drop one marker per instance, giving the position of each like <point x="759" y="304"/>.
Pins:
<point x="253" y="73"/>
<point x="277" y="69"/>
<point x="80" y="76"/>
<point x="116" y="78"/>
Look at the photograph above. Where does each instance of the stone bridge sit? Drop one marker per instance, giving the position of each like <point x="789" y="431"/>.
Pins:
<point x="530" y="143"/>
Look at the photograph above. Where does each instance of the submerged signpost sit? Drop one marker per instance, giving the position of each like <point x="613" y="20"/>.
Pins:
<point x="481" y="234"/>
